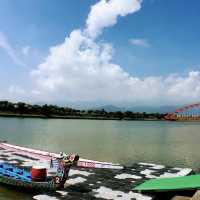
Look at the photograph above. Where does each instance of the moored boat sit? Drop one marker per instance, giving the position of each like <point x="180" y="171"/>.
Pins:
<point x="44" y="155"/>
<point x="14" y="176"/>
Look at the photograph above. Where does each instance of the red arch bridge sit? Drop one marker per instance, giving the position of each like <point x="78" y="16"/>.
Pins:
<point x="187" y="113"/>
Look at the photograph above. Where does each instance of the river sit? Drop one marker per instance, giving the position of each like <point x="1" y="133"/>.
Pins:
<point x="124" y="142"/>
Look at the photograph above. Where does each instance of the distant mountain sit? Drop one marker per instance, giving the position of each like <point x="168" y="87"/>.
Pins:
<point x="84" y="105"/>
<point x="153" y="109"/>
<point x="110" y="108"/>
<point x="147" y="109"/>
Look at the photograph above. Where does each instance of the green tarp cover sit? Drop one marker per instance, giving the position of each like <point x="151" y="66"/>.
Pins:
<point x="167" y="184"/>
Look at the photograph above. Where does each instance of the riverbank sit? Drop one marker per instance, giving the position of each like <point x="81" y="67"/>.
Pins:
<point x="75" y="117"/>
<point x="20" y="109"/>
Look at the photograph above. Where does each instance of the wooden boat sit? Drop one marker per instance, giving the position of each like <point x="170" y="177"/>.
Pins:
<point x="44" y="155"/>
<point x="14" y="176"/>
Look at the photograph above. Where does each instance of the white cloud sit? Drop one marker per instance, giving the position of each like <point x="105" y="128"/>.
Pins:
<point x="106" y="12"/>
<point x="139" y="42"/>
<point x="4" y="44"/>
<point x="183" y="89"/>
<point x="81" y="69"/>
<point x="76" y="67"/>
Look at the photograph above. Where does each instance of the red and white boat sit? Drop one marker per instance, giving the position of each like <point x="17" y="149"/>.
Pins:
<point x="47" y="156"/>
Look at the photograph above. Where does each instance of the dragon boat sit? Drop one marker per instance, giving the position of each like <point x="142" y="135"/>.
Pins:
<point x="14" y="176"/>
<point x="45" y="155"/>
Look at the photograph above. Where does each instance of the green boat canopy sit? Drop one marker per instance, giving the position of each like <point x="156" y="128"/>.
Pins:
<point x="170" y="184"/>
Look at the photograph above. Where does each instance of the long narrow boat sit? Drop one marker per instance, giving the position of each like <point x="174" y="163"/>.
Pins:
<point x="14" y="176"/>
<point x="45" y="155"/>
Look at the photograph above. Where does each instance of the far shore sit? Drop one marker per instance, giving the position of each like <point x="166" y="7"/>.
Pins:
<point x="17" y="115"/>
<point x="24" y="110"/>
<point x="73" y="117"/>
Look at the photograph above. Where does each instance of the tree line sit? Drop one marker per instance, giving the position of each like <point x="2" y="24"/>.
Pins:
<point x="21" y="108"/>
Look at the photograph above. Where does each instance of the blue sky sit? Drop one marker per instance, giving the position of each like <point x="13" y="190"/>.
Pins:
<point x="159" y="39"/>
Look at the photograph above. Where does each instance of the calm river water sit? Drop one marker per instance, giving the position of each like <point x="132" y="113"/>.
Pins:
<point x="125" y="142"/>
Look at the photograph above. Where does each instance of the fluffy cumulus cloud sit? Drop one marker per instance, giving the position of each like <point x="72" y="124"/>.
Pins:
<point x="81" y="69"/>
<point x="106" y="12"/>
